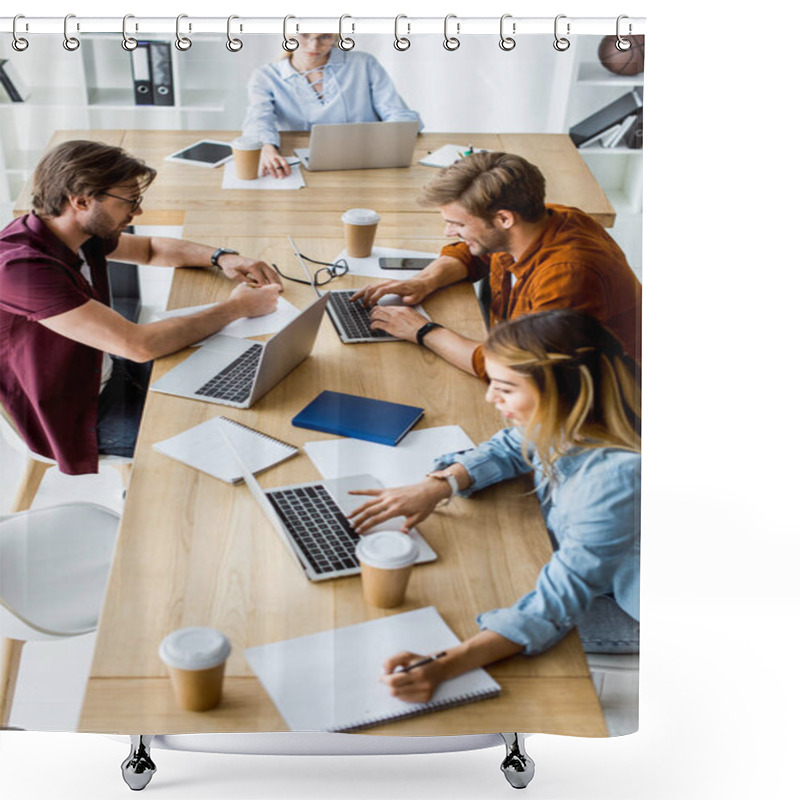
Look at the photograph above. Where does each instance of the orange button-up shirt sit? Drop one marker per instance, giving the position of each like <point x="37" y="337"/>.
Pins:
<point x="573" y="264"/>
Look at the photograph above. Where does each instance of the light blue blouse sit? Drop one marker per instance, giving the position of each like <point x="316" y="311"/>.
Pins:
<point x="356" y="88"/>
<point x="591" y="508"/>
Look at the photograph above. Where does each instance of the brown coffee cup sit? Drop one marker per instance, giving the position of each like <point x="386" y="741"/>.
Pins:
<point x="195" y="659"/>
<point x="360" y="226"/>
<point x="246" y="157"/>
<point x="386" y="558"/>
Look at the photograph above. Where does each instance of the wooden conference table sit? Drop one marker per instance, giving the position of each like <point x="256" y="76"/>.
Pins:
<point x="193" y="550"/>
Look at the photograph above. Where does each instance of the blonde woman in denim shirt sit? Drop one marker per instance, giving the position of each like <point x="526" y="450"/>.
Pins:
<point x="572" y="396"/>
<point x="317" y="83"/>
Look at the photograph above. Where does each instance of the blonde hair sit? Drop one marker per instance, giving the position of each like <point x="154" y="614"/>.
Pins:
<point x="589" y="392"/>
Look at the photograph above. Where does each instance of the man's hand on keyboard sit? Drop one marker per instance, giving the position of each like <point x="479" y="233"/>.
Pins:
<point x="255" y="301"/>
<point x="398" y="321"/>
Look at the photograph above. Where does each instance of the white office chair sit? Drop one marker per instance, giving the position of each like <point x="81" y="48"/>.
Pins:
<point x="36" y="465"/>
<point x="54" y="565"/>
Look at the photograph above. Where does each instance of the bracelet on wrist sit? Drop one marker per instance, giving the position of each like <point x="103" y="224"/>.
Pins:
<point x="221" y="251"/>
<point x="425" y="330"/>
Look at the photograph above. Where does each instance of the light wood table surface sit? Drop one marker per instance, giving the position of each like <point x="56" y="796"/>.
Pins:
<point x="196" y="551"/>
<point x="182" y="188"/>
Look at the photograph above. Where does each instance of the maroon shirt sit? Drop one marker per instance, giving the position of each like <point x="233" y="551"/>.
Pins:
<point x="49" y="384"/>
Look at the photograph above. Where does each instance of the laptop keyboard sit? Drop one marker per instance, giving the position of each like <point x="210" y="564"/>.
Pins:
<point x="318" y="526"/>
<point x="235" y="381"/>
<point x="354" y="317"/>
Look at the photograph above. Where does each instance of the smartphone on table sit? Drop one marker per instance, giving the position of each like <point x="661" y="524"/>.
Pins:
<point x="404" y="263"/>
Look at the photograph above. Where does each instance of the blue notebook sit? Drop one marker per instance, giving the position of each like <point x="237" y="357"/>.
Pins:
<point x="359" y="417"/>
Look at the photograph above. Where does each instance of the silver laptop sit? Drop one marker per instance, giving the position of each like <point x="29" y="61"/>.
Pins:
<point x="351" y="320"/>
<point x="360" y="145"/>
<point x="311" y="519"/>
<point x="237" y="372"/>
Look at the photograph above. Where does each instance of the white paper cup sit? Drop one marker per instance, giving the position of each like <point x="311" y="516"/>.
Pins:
<point x="386" y="559"/>
<point x="246" y="157"/>
<point x="360" y="226"/>
<point x="195" y="659"/>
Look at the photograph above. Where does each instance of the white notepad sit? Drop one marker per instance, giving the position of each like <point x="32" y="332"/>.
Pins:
<point x="448" y="154"/>
<point x="329" y="681"/>
<point x="203" y="448"/>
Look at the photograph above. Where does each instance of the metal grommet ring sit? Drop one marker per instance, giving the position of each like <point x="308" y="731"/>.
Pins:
<point x="401" y="42"/>
<point x="290" y="44"/>
<point x="234" y="45"/>
<point x="345" y="42"/>
<point x="451" y="42"/>
<point x="507" y="42"/>
<point x="70" y="42"/>
<point x="128" y="42"/>
<point x="561" y="43"/>
<point x="182" y="43"/>
<point x="623" y="44"/>
<point x="19" y="43"/>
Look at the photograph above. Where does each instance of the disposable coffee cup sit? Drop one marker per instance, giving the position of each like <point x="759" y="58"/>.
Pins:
<point x="360" y="225"/>
<point x="246" y="157"/>
<point x="195" y="659"/>
<point x="386" y="559"/>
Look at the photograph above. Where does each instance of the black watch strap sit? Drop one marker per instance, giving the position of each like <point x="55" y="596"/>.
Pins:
<point x="425" y="330"/>
<point x="221" y="251"/>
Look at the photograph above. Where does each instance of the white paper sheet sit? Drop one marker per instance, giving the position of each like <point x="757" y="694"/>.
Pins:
<point x="369" y="266"/>
<point x="407" y="462"/>
<point x="448" y="154"/>
<point x="293" y="181"/>
<point x="245" y="327"/>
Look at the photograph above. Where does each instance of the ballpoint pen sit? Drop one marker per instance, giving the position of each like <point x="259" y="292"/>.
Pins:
<point x="422" y="663"/>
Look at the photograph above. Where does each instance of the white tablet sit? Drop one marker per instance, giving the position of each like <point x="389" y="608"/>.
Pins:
<point x="205" y="153"/>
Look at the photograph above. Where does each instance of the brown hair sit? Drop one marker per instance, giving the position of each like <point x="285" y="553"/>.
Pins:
<point x="83" y="168"/>
<point x="589" y="389"/>
<point x="485" y="183"/>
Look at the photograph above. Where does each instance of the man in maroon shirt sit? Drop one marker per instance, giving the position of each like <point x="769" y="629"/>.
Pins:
<point x="70" y="366"/>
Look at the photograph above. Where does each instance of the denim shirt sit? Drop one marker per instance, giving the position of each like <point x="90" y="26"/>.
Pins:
<point x="356" y="88"/>
<point x="591" y="508"/>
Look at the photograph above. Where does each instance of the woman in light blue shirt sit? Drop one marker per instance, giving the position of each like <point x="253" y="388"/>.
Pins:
<point x="317" y="83"/>
<point x="572" y="395"/>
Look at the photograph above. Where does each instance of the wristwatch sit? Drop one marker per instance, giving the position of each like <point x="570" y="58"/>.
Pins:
<point x="425" y="330"/>
<point x="221" y="251"/>
<point x="451" y="480"/>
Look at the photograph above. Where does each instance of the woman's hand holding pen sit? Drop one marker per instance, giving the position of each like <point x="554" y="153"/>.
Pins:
<point x="412" y="677"/>
<point x="273" y="163"/>
<point x="414" y="502"/>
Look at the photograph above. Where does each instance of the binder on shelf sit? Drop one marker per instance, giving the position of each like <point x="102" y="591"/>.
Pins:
<point x="590" y="129"/>
<point x="10" y="80"/>
<point x="142" y="75"/>
<point x="161" y="72"/>
<point x="633" y="138"/>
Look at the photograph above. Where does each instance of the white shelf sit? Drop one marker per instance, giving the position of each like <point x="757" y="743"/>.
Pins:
<point x="610" y="151"/>
<point x="122" y="99"/>
<point x="51" y="97"/>
<point x="595" y="74"/>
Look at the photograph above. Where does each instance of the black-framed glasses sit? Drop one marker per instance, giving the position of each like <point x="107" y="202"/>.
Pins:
<point x="328" y="271"/>
<point x="136" y="203"/>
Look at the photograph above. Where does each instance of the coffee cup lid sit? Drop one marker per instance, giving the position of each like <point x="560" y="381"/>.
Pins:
<point x="361" y="216"/>
<point x="246" y="143"/>
<point x="194" y="648"/>
<point x="387" y="549"/>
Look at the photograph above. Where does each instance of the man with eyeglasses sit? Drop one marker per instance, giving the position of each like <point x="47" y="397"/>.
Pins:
<point x="73" y="372"/>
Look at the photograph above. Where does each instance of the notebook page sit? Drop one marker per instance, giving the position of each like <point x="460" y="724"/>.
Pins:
<point x="330" y="681"/>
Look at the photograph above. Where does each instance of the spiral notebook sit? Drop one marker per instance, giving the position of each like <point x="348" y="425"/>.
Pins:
<point x="329" y="681"/>
<point x="203" y="448"/>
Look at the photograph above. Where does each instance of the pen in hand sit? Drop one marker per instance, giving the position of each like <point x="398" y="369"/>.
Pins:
<point x="421" y="663"/>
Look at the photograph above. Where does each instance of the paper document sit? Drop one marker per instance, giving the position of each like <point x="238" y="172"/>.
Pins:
<point x="246" y="326"/>
<point x="448" y="154"/>
<point x="293" y="181"/>
<point x="369" y="266"/>
<point x="407" y="462"/>
<point x="329" y="681"/>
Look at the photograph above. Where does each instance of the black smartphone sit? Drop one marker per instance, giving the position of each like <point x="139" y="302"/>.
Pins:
<point x="404" y="263"/>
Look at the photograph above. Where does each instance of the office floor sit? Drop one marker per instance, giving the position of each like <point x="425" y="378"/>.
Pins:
<point x="53" y="675"/>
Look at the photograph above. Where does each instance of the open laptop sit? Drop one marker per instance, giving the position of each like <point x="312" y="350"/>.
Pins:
<point x="237" y="372"/>
<point x="359" y="145"/>
<point x="311" y="519"/>
<point x="351" y="320"/>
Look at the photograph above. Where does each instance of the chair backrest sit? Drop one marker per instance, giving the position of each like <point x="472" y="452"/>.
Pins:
<point x="11" y="435"/>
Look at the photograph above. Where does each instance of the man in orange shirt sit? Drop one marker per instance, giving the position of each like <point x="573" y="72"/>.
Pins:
<point x="535" y="257"/>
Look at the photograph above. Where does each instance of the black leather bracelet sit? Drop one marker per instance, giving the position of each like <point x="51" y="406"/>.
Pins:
<point x="221" y="251"/>
<point x="425" y="330"/>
